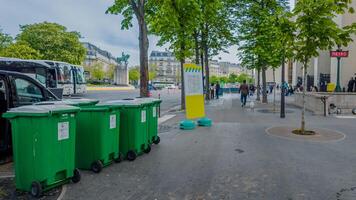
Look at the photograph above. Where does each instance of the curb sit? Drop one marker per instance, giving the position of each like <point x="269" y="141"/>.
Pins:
<point x="109" y="88"/>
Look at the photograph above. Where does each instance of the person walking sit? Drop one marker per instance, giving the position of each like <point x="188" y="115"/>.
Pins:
<point x="212" y="91"/>
<point x="217" y="90"/>
<point x="350" y="85"/>
<point x="244" y="92"/>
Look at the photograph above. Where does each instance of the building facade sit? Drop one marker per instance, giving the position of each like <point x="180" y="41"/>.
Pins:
<point x="107" y="60"/>
<point x="166" y="66"/>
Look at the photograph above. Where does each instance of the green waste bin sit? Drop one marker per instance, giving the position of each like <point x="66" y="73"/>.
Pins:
<point x="152" y="118"/>
<point x="97" y="142"/>
<point x="44" y="146"/>
<point x="133" y="128"/>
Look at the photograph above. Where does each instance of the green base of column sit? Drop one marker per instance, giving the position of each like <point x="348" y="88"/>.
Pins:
<point x="205" y="122"/>
<point x="338" y="89"/>
<point x="187" y="125"/>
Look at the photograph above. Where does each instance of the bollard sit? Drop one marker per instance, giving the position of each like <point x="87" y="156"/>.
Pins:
<point x="159" y="107"/>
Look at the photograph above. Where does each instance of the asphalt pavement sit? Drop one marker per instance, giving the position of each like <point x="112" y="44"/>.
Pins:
<point x="233" y="159"/>
<point x="170" y="98"/>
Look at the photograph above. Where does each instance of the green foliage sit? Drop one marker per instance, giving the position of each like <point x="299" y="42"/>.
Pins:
<point x="245" y="77"/>
<point x="214" y="79"/>
<point x="233" y="78"/>
<point x="174" y="21"/>
<point x="259" y="36"/>
<point x="53" y="41"/>
<point x="5" y="40"/>
<point x="134" y="74"/>
<point x="20" y="50"/>
<point x="96" y="71"/>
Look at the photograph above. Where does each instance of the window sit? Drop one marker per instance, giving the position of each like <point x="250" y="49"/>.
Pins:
<point x="2" y="90"/>
<point x="80" y="75"/>
<point x="64" y="74"/>
<point x="27" y="92"/>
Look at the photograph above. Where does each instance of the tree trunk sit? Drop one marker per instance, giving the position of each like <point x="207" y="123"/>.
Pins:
<point x="305" y="66"/>
<point x="196" y="41"/>
<point x="202" y="67"/>
<point x="264" y="86"/>
<point x="206" y="63"/>
<point x="182" y="61"/>
<point x="283" y="106"/>
<point x="143" y="44"/>
<point x="258" y="85"/>
<point x="274" y="90"/>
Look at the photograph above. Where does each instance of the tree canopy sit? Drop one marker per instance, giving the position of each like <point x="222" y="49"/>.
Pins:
<point x="20" y="50"/>
<point x="53" y="42"/>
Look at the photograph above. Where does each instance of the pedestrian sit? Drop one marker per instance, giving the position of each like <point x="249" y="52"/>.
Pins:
<point x="350" y="85"/>
<point x="217" y="90"/>
<point x="271" y="88"/>
<point x="212" y="91"/>
<point x="244" y="92"/>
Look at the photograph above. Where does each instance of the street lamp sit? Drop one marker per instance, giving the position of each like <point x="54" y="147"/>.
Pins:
<point x="339" y="53"/>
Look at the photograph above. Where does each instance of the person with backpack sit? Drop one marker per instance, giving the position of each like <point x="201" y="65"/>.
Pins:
<point x="244" y="92"/>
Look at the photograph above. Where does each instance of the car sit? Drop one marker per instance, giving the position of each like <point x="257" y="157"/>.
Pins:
<point x="17" y="89"/>
<point x="172" y="87"/>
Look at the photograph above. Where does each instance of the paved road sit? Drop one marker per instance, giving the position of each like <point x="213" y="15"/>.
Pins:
<point x="170" y="98"/>
<point x="234" y="159"/>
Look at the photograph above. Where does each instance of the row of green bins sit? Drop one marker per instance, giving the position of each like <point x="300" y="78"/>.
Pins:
<point x="152" y="118"/>
<point x="133" y="128"/>
<point x="44" y="146"/>
<point x="98" y="130"/>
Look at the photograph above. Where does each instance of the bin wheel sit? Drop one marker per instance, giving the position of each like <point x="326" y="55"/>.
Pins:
<point x="157" y="140"/>
<point x="76" y="176"/>
<point x="148" y="149"/>
<point x="36" y="189"/>
<point x="119" y="158"/>
<point x="97" y="166"/>
<point x="131" y="155"/>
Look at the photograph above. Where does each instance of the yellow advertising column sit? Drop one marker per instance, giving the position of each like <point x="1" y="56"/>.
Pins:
<point x="194" y="97"/>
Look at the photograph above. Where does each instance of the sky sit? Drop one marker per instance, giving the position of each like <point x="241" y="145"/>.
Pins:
<point x="87" y="17"/>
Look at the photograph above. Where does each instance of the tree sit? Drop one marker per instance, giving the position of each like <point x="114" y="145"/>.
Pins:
<point x="214" y="79"/>
<point x="53" y="41"/>
<point x="259" y="47"/>
<point x="316" y="30"/>
<point x="20" y="50"/>
<point x="233" y="78"/>
<point x="96" y="71"/>
<point x="175" y="21"/>
<point x="134" y="75"/>
<point x="139" y="8"/>
<point x="5" y="40"/>
<point x="216" y="26"/>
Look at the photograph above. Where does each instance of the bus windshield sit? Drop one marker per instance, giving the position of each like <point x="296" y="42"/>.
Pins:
<point x="64" y="73"/>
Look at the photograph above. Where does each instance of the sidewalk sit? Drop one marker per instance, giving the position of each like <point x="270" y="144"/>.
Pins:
<point x="233" y="159"/>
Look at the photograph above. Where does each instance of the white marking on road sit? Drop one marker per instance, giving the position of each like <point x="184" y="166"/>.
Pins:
<point x="7" y="176"/>
<point x="165" y="118"/>
<point x="345" y="117"/>
<point x="63" y="192"/>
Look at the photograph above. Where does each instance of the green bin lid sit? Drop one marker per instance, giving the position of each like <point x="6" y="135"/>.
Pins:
<point x="149" y="100"/>
<point x="40" y="110"/>
<point x="71" y="102"/>
<point x="81" y="102"/>
<point x="124" y="103"/>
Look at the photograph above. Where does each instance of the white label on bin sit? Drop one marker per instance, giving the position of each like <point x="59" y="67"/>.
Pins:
<point x="112" y="121"/>
<point x="154" y="111"/>
<point x="143" y="116"/>
<point x="63" y="130"/>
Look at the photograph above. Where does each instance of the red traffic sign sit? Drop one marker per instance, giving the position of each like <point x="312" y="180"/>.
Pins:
<point x="339" y="54"/>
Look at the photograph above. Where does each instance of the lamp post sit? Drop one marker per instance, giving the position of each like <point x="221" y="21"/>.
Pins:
<point x="339" y="53"/>
<point x="338" y="87"/>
